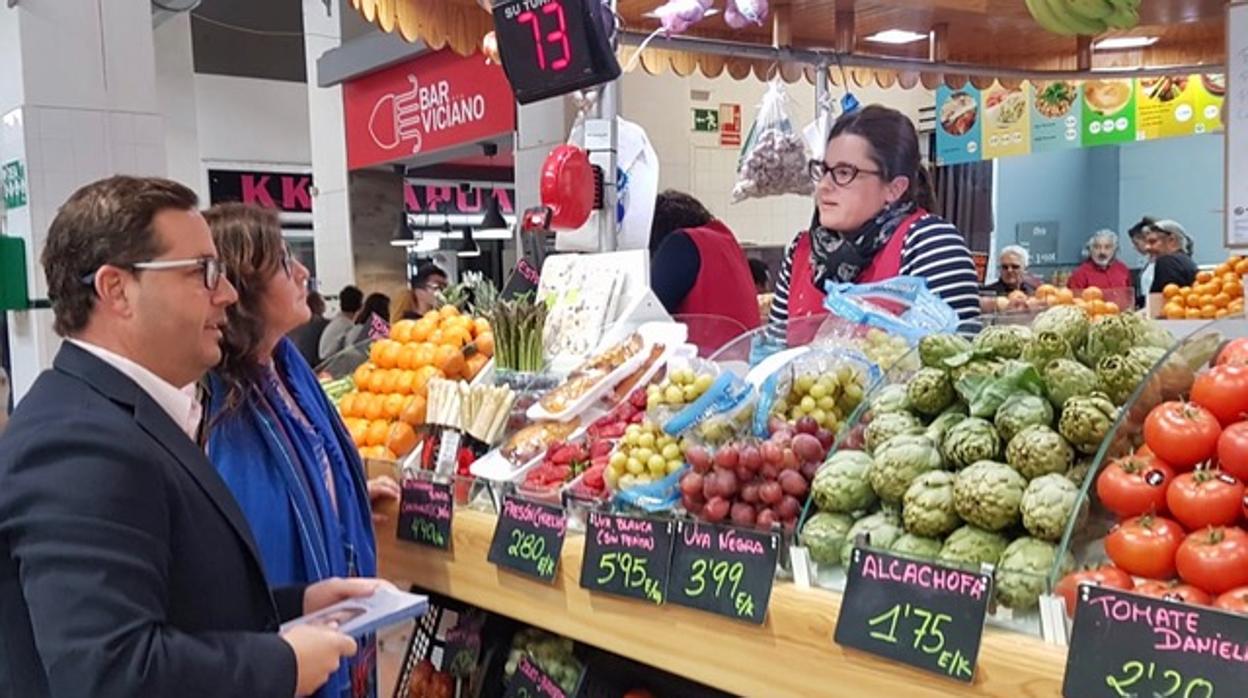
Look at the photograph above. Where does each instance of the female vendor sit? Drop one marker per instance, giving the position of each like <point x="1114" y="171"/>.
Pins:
<point x="873" y="223"/>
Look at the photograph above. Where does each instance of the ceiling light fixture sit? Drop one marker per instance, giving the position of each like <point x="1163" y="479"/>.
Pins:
<point x="1121" y="43"/>
<point x="896" y="37"/>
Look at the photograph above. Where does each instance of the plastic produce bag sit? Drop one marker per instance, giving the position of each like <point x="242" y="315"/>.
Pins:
<point x="846" y="366"/>
<point x="657" y="496"/>
<point x="775" y="155"/>
<point x="901" y="306"/>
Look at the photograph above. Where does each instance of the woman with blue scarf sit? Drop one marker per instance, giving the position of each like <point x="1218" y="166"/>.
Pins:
<point x="275" y="437"/>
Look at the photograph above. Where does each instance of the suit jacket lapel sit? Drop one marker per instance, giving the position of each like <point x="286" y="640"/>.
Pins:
<point x="153" y="419"/>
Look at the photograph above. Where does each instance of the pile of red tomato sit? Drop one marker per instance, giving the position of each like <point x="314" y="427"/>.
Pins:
<point x="1180" y="499"/>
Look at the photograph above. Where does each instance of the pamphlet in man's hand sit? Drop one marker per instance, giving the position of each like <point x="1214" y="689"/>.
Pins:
<point x="366" y="614"/>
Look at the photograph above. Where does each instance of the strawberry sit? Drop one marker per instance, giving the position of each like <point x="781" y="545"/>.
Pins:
<point x="600" y="448"/>
<point x="564" y="455"/>
<point x="638" y="399"/>
<point x="593" y="477"/>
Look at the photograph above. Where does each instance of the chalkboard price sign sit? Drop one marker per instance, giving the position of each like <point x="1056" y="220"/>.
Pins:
<point x="529" y="538"/>
<point x="1124" y="644"/>
<point x="923" y="614"/>
<point x="425" y="510"/>
<point x="627" y="556"/>
<point x="724" y="570"/>
<point x="530" y="681"/>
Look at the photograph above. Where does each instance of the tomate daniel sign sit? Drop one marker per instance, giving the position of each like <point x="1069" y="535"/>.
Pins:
<point x="429" y="103"/>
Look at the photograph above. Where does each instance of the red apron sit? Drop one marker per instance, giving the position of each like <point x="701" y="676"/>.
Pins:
<point x="806" y="301"/>
<point x="722" y="304"/>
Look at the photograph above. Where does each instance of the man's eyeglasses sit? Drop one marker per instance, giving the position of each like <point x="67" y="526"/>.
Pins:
<point x="211" y="266"/>
<point x="842" y="173"/>
<point x="1011" y="267"/>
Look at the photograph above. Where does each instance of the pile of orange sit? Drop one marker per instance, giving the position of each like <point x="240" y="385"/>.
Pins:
<point x="388" y="401"/>
<point x="1091" y="299"/>
<point x="1216" y="294"/>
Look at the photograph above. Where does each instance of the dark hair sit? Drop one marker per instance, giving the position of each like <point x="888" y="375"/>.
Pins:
<point x="249" y="243"/>
<point x="758" y="270"/>
<point x="1141" y="228"/>
<point x="350" y="299"/>
<point x="106" y="222"/>
<point x="316" y="304"/>
<point x="424" y="272"/>
<point x="894" y="148"/>
<point x="376" y="304"/>
<point x="675" y="210"/>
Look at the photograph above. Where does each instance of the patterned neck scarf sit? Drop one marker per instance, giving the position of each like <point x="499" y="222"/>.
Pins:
<point x="841" y="257"/>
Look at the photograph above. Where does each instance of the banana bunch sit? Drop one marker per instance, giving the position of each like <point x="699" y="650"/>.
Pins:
<point x="1088" y="17"/>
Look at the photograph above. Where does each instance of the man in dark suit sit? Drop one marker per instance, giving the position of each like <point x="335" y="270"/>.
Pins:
<point x="126" y="567"/>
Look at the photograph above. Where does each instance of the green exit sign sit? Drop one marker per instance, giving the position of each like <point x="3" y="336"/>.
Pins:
<point x="13" y="177"/>
<point x="706" y="120"/>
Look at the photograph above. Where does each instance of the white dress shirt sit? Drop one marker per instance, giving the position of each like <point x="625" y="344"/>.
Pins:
<point x="181" y="404"/>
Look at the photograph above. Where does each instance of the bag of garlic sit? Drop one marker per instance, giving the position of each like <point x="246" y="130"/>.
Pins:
<point x="775" y="155"/>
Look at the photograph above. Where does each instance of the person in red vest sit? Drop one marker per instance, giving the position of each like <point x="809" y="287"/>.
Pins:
<point x="872" y="223"/>
<point x="1102" y="268"/>
<point x="698" y="270"/>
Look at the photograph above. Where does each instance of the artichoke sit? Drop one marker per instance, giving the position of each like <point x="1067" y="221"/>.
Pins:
<point x="916" y="546"/>
<point x="882" y="528"/>
<point x="1038" y="450"/>
<point x="973" y="546"/>
<point x="927" y="508"/>
<point x="977" y="367"/>
<point x="1173" y="377"/>
<point x="988" y="494"/>
<point x="898" y="461"/>
<point x="1021" y="411"/>
<point x="841" y="485"/>
<point x="939" y="428"/>
<point x="1079" y="471"/>
<point x="930" y="391"/>
<point x="1002" y="341"/>
<point x="891" y="398"/>
<point x="1045" y="347"/>
<point x="1119" y="375"/>
<point x="1024" y="569"/>
<point x="1047" y="506"/>
<point x="885" y="426"/>
<point x="1066" y="378"/>
<point x="1112" y="336"/>
<point x="972" y="439"/>
<point x="1069" y="321"/>
<point x="1154" y="336"/>
<point x="824" y="536"/>
<point x="935" y="348"/>
<point x="1086" y="421"/>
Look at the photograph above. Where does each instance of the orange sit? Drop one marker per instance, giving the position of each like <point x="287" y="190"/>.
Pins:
<point x="420" y="386"/>
<point x="1092" y="293"/>
<point x="392" y="405"/>
<point x="1065" y="296"/>
<point x="407" y="356"/>
<point x="1222" y="269"/>
<point x="376" y="381"/>
<point x="485" y="343"/>
<point x="457" y="337"/>
<point x="414" y="410"/>
<point x="422" y="329"/>
<point x="1208" y="312"/>
<point x="1194" y="301"/>
<point x="1235" y="290"/>
<point x="480" y="325"/>
<point x="1174" y="311"/>
<point x="1170" y="291"/>
<point x="474" y="364"/>
<point x="1081" y="303"/>
<point x="401" y="331"/>
<point x="373" y="407"/>
<point x="389" y="378"/>
<point x="426" y="353"/>
<point x="378" y="430"/>
<point x="432" y="316"/>
<point x="1222" y="300"/>
<point x="374" y="352"/>
<point x="450" y="361"/>
<point x="1192" y="313"/>
<point x="390" y="353"/>
<point x="1111" y="308"/>
<point x="1203" y="277"/>
<point x="1222" y="312"/>
<point x="448" y="310"/>
<point x="1097" y="306"/>
<point x="438" y="337"/>
<point x="359" y="432"/>
<point x="403" y="385"/>
<point x="362" y="372"/>
<point x="1045" y="290"/>
<point x="1241" y="267"/>
<point x="346" y="404"/>
<point x="401" y="439"/>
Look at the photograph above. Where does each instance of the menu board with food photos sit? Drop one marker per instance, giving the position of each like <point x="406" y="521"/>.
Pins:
<point x="1039" y="117"/>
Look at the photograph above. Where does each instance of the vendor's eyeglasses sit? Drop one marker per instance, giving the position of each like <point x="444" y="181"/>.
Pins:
<point x="211" y="266"/>
<point x="842" y="173"/>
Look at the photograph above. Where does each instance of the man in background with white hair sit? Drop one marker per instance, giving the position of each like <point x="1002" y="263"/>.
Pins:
<point x="1102" y="268"/>
<point x="1012" y="273"/>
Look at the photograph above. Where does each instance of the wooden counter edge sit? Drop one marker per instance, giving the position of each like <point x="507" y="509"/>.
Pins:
<point x="791" y="654"/>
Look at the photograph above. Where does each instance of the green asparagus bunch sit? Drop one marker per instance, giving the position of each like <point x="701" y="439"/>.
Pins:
<point x="518" y="327"/>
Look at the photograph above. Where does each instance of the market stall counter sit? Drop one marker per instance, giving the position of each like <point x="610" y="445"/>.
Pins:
<point x="791" y="654"/>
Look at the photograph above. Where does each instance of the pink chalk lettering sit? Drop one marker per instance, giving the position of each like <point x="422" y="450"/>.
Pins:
<point x="696" y="537"/>
<point x="728" y="540"/>
<point x="638" y="542"/>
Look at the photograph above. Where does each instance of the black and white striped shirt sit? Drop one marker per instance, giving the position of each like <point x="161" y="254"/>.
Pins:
<point x="933" y="250"/>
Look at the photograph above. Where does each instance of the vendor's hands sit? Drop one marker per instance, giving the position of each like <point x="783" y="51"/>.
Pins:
<point x="330" y="591"/>
<point x="319" y="651"/>
<point x="380" y="490"/>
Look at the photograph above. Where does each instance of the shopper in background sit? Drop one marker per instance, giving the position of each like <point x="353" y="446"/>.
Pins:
<point x="428" y="282"/>
<point x="1102" y="268"/>
<point x="1012" y="274"/>
<point x="307" y="336"/>
<point x="333" y="338"/>
<point x="273" y="434"/>
<point x="1171" y="249"/>
<point x="762" y="276"/>
<point x="1142" y="278"/>
<point x="872" y="222"/>
<point x="126" y="568"/>
<point x="371" y="319"/>
<point x="697" y="268"/>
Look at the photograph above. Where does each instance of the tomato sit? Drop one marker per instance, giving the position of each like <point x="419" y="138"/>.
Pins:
<point x="1214" y="559"/>
<point x="1223" y="390"/>
<point x="1174" y="591"/>
<point x="1233" y="450"/>
<point x="1103" y="576"/>
<point x="1145" y="452"/>
<point x="1235" y="601"/>
<point x="1145" y="546"/>
<point x="1205" y="498"/>
<point x="1234" y="352"/>
<point x="1182" y="434"/>
<point x="1133" y="485"/>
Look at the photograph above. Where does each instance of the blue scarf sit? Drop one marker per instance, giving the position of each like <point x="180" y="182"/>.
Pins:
<point x="275" y="468"/>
